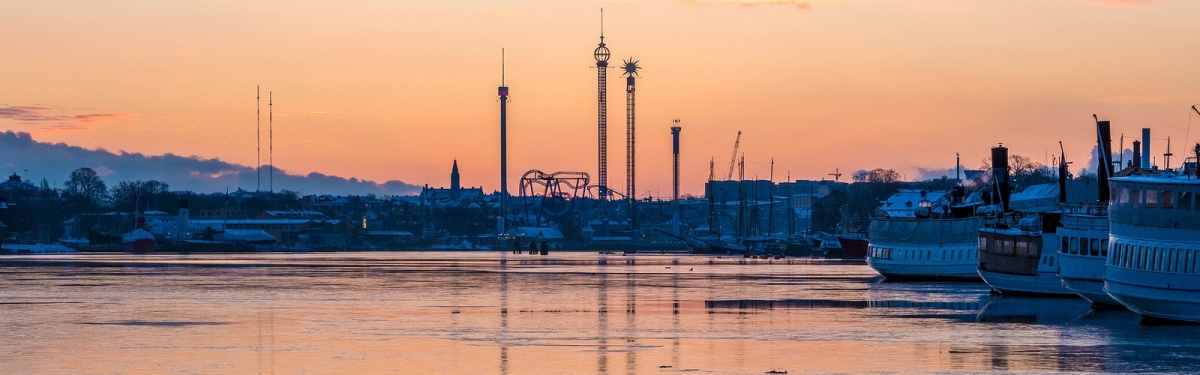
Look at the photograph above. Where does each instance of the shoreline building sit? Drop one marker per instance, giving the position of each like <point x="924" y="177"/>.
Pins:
<point x="455" y="193"/>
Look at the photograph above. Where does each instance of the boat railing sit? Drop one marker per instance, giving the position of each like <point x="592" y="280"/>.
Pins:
<point x="1091" y="209"/>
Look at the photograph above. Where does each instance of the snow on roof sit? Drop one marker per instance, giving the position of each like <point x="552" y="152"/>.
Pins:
<point x="905" y="202"/>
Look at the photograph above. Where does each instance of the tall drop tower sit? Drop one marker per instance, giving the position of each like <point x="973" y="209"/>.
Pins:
<point x="503" y="91"/>
<point x="630" y="72"/>
<point x="601" y="54"/>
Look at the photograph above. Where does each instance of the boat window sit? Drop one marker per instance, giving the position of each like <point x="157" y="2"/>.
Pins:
<point x="1166" y="200"/>
<point x="1185" y="200"/>
<point x="1151" y="198"/>
<point x="1123" y="197"/>
<point x="1074" y="245"/>
<point x="1021" y="248"/>
<point x="1095" y="249"/>
<point x="1175" y="261"/>
<point x="1065" y="244"/>
<point x="1104" y="247"/>
<point x="1135" y="197"/>
<point x="1083" y="246"/>
<point x="983" y="242"/>
<point x="1051" y="258"/>
<point x="1186" y="258"/>
<point x="1192" y="255"/>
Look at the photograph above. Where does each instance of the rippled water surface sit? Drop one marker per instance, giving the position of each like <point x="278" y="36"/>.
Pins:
<point x="567" y="313"/>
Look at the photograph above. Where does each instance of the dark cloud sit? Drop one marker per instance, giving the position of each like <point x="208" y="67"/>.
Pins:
<point x="54" y="162"/>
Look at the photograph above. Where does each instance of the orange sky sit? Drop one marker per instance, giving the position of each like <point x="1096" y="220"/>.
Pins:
<point x="387" y="90"/>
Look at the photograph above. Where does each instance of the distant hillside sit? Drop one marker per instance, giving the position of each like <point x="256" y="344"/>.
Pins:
<point x="19" y="152"/>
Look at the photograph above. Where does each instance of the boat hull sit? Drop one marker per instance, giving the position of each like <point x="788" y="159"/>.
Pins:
<point x="1042" y="283"/>
<point x="1084" y="275"/>
<point x="925" y="271"/>
<point x="144" y="245"/>
<point x="1154" y="294"/>
<point x="852" y="248"/>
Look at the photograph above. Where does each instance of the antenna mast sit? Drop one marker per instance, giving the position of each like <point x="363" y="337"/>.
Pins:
<point x="258" y="134"/>
<point x="271" y="129"/>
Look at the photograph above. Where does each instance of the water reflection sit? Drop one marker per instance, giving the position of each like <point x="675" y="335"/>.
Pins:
<point x="493" y="313"/>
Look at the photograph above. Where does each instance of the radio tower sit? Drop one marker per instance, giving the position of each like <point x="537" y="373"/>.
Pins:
<point x="271" y="141"/>
<point x="630" y="71"/>
<point x="258" y="134"/>
<point x="601" y="54"/>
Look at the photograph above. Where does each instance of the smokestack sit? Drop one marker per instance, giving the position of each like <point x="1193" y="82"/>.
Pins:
<point x="1062" y="178"/>
<point x="1104" y="164"/>
<point x="1137" y="154"/>
<point x="1001" y="190"/>
<point x="675" y="156"/>
<point x="675" y="172"/>
<point x="1145" y="148"/>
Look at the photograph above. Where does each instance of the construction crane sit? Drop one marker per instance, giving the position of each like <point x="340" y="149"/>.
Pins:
<point x="733" y="159"/>
<point x="1197" y="110"/>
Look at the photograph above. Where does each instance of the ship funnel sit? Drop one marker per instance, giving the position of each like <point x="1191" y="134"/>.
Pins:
<point x="1137" y="155"/>
<point x="1104" y="164"/>
<point x="1145" y="148"/>
<point x="1001" y="190"/>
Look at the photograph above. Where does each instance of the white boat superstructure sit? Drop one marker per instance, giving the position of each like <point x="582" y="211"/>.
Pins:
<point x="1083" y="242"/>
<point x="917" y="236"/>
<point x="1153" y="265"/>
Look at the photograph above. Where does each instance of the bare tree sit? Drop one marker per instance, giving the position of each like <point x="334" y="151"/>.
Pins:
<point x="86" y="185"/>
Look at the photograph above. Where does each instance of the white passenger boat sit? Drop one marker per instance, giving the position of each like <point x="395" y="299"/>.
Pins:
<point x="1083" y="241"/>
<point x="916" y="236"/>
<point x="1083" y="238"/>
<point x="1153" y="266"/>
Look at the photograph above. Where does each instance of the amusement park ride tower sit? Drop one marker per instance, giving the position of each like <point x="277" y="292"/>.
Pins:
<point x="602" y="54"/>
<point x="630" y="71"/>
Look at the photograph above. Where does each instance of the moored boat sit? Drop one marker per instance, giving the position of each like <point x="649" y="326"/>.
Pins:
<point x="1018" y="251"/>
<point x="1083" y="238"/>
<point x="1153" y="267"/>
<point x="916" y="237"/>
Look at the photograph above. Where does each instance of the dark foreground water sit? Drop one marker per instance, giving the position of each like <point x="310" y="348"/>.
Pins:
<point x="485" y="313"/>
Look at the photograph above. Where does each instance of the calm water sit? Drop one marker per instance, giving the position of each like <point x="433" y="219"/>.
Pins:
<point x="484" y="313"/>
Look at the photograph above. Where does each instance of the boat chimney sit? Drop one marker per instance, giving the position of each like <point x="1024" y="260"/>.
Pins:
<point x="1001" y="190"/>
<point x="1137" y="155"/>
<point x="1062" y="176"/>
<point x="1104" y="164"/>
<point x="1145" y="148"/>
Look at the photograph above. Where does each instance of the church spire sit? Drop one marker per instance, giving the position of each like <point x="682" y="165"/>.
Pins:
<point x="454" y="181"/>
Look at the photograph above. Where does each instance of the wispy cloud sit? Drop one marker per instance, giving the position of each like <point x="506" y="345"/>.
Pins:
<point x="799" y="4"/>
<point x="1124" y="3"/>
<point x="51" y="119"/>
